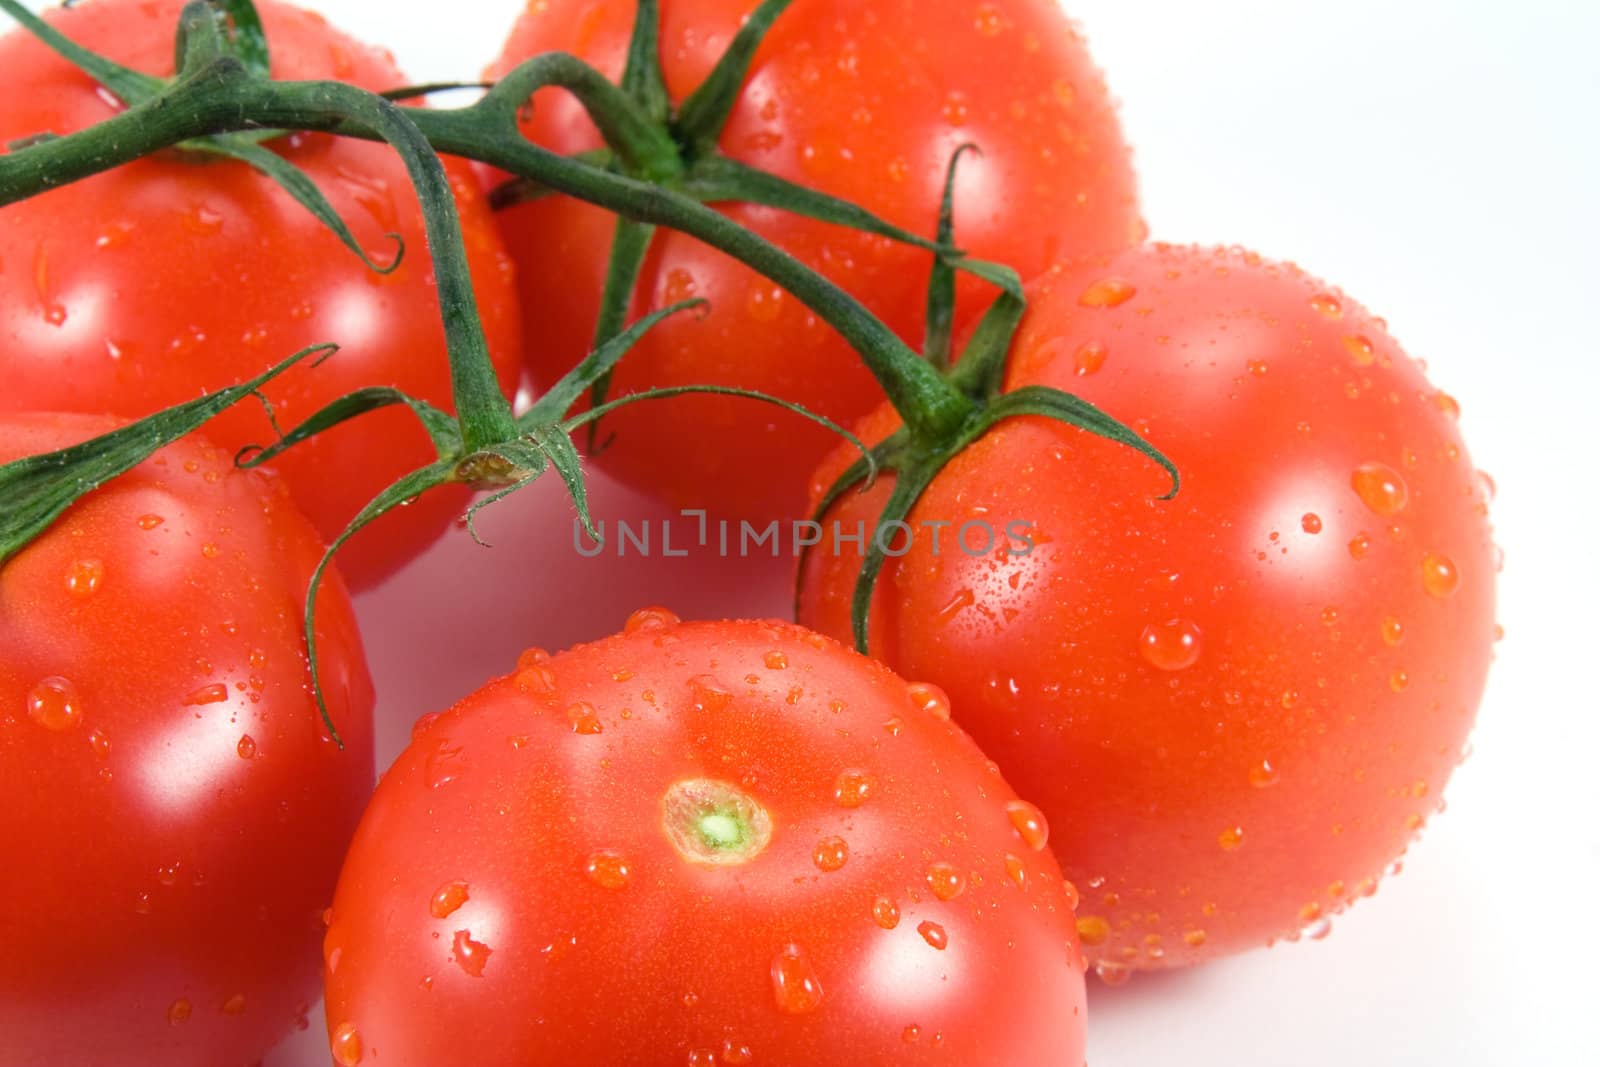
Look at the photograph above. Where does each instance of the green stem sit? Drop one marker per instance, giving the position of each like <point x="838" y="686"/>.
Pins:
<point x="220" y="100"/>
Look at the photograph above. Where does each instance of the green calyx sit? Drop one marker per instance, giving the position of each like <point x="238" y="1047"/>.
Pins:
<point x="916" y="457"/>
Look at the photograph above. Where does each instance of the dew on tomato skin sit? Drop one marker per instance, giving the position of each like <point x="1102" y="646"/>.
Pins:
<point x="1264" y="775"/>
<point x="1311" y="522"/>
<point x="1029" y="823"/>
<point x="84" y="577"/>
<point x="1439" y="575"/>
<point x="443" y="765"/>
<point x="1173" y="645"/>
<point x="1016" y="871"/>
<point x="892" y="726"/>
<point x="536" y="680"/>
<point x="1327" y="306"/>
<point x="1486" y="482"/>
<point x="1359" y="546"/>
<point x="886" y="913"/>
<point x="54" y="703"/>
<point x="1071" y="892"/>
<point x="100" y="743"/>
<point x="1231" y="838"/>
<point x="1393" y="631"/>
<point x="929" y="699"/>
<point x="796" y="989"/>
<point x="1089" y="358"/>
<point x="830" y="854"/>
<point x="1257" y="368"/>
<point x="1319" y="930"/>
<point x="648" y="619"/>
<point x="608" y="869"/>
<point x="934" y="934"/>
<point x="945" y="880"/>
<point x="1360" y="350"/>
<point x="911" y="1034"/>
<point x="1107" y="293"/>
<point x="532" y="657"/>
<point x="214" y="693"/>
<point x="246" y="748"/>
<point x="234" y="1005"/>
<point x="584" y="718"/>
<point x="1447" y="404"/>
<point x="179" y="1011"/>
<point x="852" y="788"/>
<point x="471" y="956"/>
<point x="1093" y="929"/>
<point x="345" y="1045"/>
<point x="1380" y="487"/>
<point x="736" y="1053"/>
<point x="447" y="899"/>
<point x="1113" y="974"/>
<point x="708" y="695"/>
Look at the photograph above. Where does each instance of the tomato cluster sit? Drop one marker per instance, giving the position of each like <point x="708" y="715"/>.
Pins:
<point x="1146" y="726"/>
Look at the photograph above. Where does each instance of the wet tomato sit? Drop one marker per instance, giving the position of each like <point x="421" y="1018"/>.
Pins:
<point x="1238" y="706"/>
<point x="863" y="101"/>
<point x="172" y="810"/>
<point x="701" y="843"/>
<point x="145" y="286"/>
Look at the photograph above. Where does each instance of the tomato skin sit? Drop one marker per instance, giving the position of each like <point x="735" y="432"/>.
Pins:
<point x="1248" y="696"/>
<point x="137" y="289"/>
<point x="516" y="853"/>
<point x="863" y="101"/>
<point x="173" y="812"/>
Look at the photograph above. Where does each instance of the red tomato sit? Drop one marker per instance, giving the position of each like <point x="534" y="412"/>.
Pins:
<point x="1248" y="698"/>
<point x="145" y="286"/>
<point x="706" y="843"/>
<point x="863" y="101"/>
<point x="172" y="810"/>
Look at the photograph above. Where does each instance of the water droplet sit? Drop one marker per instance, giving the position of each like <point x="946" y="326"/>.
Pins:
<point x="584" y="718"/>
<point x="1016" y="871"/>
<point x="1487" y="483"/>
<point x="246" y="748"/>
<point x="1311" y="522"/>
<point x="1360" y="350"/>
<point x="1359" y="546"/>
<point x="1113" y="974"/>
<point x="886" y="913"/>
<point x="989" y="21"/>
<point x="1447" y="404"/>
<point x="934" y="935"/>
<point x="946" y="881"/>
<point x="1393" y="631"/>
<point x="150" y="522"/>
<point x="765" y="303"/>
<point x="1093" y="930"/>
<point x="930" y="699"/>
<point x="532" y="657"/>
<point x="447" y="899"/>
<point x="1257" y="368"/>
<point x="210" y="551"/>
<point x="215" y="693"/>
<point x="54" y="704"/>
<point x="1439" y="575"/>
<point x="795" y="986"/>
<point x="830" y="854"/>
<point x="471" y="956"/>
<point x="852" y="788"/>
<point x="84" y="577"/>
<point x="1170" y="646"/>
<point x="1399" y="680"/>
<point x="234" y="1005"/>
<point x="775" y="661"/>
<point x="956" y="109"/>
<point x="1194" y="938"/>
<point x="1264" y="775"/>
<point x="646" y="619"/>
<point x="1327" y="306"/>
<point x="1089" y="358"/>
<point x="536" y="680"/>
<point x="1380" y="487"/>
<point x="1107" y="293"/>
<point x="1231" y="838"/>
<point x="736" y="1053"/>
<point x="100" y="743"/>
<point x="911" y="1034"/>
<point x="346" y="1045"/>
<point x="1319" y="930"/>
<point x="708" y="695"/>
<point x="608" y="869"/>
<point x="1029" y="823"/>
<point x="179" y="1012"/>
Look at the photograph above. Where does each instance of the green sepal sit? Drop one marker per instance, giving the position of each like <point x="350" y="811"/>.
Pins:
<point x="1064" y="407"/>
<point x="980" y="372"/>
<point x="440" y="425"/>
<point x="556" y="444"/>
<point x="909" y="485"/>
<point x="939" y="317"/>
<point x="706" y="111"/>
<point x="201" y="39"/>
<point x="126" y="84"/>
<point x="245" y="37"/>
<point x="552" y="407"/>
<point x="407" y="487"/>
<point x="300" y="186"/>
<point x="641" y="76"/>
<point x="718" y="178"/>
<point x="630" y="243"/>
<point x="35" y="491"/>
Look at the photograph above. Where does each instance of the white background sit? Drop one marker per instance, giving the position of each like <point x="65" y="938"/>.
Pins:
<point x="1438" y="160"/>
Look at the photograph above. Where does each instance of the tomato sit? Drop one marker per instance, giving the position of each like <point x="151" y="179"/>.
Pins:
<point x="145" y="286"/>
<point x="703" y="843"/>
<point x="172" y="809"/>
<point x="1248" y="698"/>
<point x="865" y="102"/>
